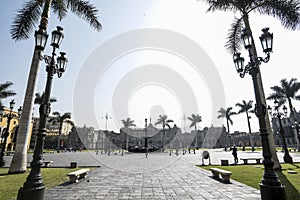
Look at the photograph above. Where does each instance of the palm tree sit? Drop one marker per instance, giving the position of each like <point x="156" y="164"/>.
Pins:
<point x="286" y="92"/>
<point x="127" y="123"/>
<point x="227" y="113"/>
<point x="39" y="99"/>
<point x="245" y="107"/>
<point x="164" y="121"/>
<point x="25" y="21"/>
<point x="195" y="119"/>
<point x="5" y="92"/>
<point x="61" y="119"/>
<point x="286" y="11"/>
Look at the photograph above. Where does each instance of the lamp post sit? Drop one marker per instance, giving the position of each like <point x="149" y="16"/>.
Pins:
<point x="270" y="186"/>
<point x="146" y="138"/>
<point x="9" y="117"/>
<point x="33" y="188"/>
<point x="106" y="117"/>
<point x="287" y="158"/>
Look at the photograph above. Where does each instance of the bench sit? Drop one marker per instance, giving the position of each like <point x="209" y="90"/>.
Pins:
<point x="225" y="175"/>
<point x="8" y="153"/>
<point x="246" y="160"/>
<point x="45" y="163"/>
<point x="76" y="175"/>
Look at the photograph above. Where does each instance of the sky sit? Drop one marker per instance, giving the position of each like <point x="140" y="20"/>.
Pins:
<point x="151" y="57"/>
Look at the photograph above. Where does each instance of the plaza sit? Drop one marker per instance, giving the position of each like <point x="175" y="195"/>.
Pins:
<point x="160" y="176"/>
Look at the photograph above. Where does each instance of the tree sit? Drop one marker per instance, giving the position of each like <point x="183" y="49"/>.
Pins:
<point x="61" y="119"/>
<point x="127" y="123"/>
<point x="286" y="92"/>
<point x="39" y="99"/>
<point x="25" y="21"/>
<point x="286" y="11"/>
<point x="245" y="107"/>
<point x="164" y="121"/>
<point x="5" y="92"/>
<point x="195" y="119"/>
<point x="227" y="113"/>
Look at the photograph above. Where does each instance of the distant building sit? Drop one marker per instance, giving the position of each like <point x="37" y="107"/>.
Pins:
<point x="244" y="139"/>
<point x="13" y="130"/>
<point x="51" y="134"/>
<point x="290" y="132"/>
<point x="213" y="137"/>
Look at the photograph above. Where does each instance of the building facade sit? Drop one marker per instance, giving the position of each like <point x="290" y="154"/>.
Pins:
<point x="289" y="128"/>
<point x="52" y="134"/>
<point x="13" y="129"/>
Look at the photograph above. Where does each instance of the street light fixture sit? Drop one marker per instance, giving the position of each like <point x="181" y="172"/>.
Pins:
<point x="287" y="158"/>
<point x="33" y="188"/>
<point x="270" y="186"/>
<point x="9" y="117"/>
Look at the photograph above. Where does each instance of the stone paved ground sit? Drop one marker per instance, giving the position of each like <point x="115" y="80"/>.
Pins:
<point x="159" y="176"/>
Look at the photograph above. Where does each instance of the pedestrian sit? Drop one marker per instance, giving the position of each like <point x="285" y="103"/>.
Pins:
<point x="234" y="153"/>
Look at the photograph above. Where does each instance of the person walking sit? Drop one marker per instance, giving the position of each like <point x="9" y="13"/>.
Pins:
<point x="234" y="153"/>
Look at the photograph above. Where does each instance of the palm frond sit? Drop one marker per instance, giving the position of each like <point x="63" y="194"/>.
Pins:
<point x="57" y="114"/>
<point x="4" y="91"/>
<point x="223" y="5"/>
<point x="25" y="20"/>
<point x="59" y="8"/>
<point x="86" y="11"/>
<point x="234" y="40"/>
<point x="286" y="11"/>
<point x="230" y="120"/>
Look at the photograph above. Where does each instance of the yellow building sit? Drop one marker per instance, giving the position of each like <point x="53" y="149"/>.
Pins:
<point x="52" y="132"/>
<point x="13" y="129"/>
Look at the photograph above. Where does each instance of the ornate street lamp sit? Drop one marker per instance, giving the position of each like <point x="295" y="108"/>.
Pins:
<point x="9" y="117"/>
<point x="270" y="186"/>
<point x="287" y="158"/>
<point x="33" y="188"/>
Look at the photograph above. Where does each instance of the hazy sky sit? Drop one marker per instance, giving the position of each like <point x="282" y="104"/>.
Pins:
<point x="152" y="56"/>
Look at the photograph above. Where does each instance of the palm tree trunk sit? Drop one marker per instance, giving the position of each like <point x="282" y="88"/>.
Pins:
<point x="249" y="126"/>
<point x="228" y="131"/>
<point x="263" y="101"/>
<point x="164" y="138"/>
<point x="59" y="137"/>
<point x="294" y="118"/>
<point x="19" y="160"/>
<point x="196" y="139"/>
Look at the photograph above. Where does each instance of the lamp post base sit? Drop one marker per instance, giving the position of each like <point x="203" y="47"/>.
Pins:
<point x="31" y="193"/>
<point x="272" y="192"/>
<point x="288" y="159"/>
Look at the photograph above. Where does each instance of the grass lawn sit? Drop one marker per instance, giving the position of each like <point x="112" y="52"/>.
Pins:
<point x="252" y="174"/>
<point x="10" y="183"/>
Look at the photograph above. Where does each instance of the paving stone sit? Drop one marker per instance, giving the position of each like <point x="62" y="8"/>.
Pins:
<point x="159" y="177"/>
